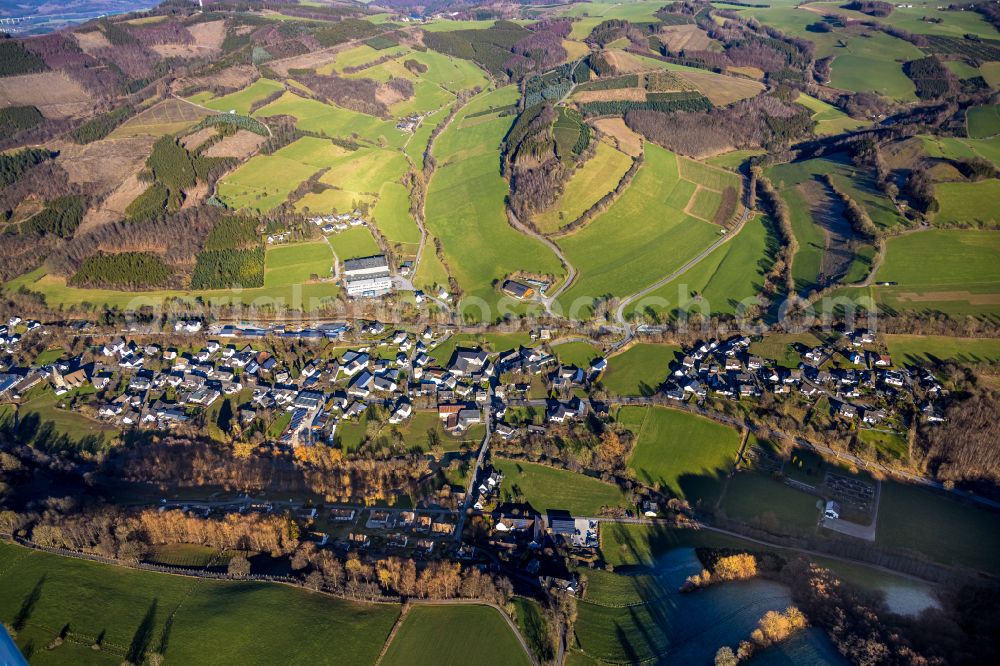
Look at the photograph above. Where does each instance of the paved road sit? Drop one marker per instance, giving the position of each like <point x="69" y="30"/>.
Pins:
<point x="483" y="449"/>
<point x="694" y="261"/>
<point x="570" y="270"/>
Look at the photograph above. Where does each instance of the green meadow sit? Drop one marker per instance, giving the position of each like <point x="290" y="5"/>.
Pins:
<point x="580" y="354"/>
<point x="731" y="274"/>
<point x="454" y="635"/>
<point x="944" y="529"/>
<point x="597" y="177"/>
<point x="983" y="121"/>
<point x="547" y="488"/>
<point x="829" y="119"/>
<point x="640" y="369"/>
<point x="686" y="454"/>
<point x="907" y="349"/>
<point x="968" y="203"/>
<point x="133" y="614"/>
<point x="392" y="214"/>
<point x="263" y="183"/>
<point x="242" y="100"/>
<point x="354" y="242"/>
<point x="643" y="236"/>
<point x="331" y="120"/>
<point x="467" y="187"/>
<point x="296" y="263"/>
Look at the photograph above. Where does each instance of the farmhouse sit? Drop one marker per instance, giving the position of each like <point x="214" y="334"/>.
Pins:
<point x="367" y="276"/>
<point x="517" y="289"/>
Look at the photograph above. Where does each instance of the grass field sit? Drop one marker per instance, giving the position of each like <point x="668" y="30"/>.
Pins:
<point x="984" y="121"/>
<point x="681" y="452"/>
<point x="949" y="271"/>
<point x="759" y="500"/>
<point x="640" y="369"/>
<point x="597" y="177"/>
<point x="727" y="278"/>
<point x="829" y="119"/>
<point x="938" y="348"/>
<point x="65" y="421"/>
<point x="467" y="186"/>
<point x="183" y="555"/>
<point x="263" y="183"/>
<point x="354" y="242"/>
<point x="969" y="203"/>
<point x="306" y="298"/>
<point x="330" y="120"/>
<point x="643" y="236"/>
<point x="945" y="530"/>
<point x="733" y="159"/>
<point x="546" y="488"/>
<point x="450" y="635"/>
<point x="312" y="151"/>
<point x="493" y="342"/>
<point x="138" y="612"/>
<point x="242" y="100"/>
<point x="297" y="263"/>
<point x="392" y="214"/>
<point x="580" y="354"/>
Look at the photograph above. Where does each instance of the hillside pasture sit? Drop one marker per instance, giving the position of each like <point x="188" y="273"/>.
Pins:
<point x="642" y="236"/>
<point x="354" y="242"/>
<point x="829" y="119"/>
<point x="137" y="613"/>
<point x="312" y="151"/>
<point x="263" y="183"/>
<point x="549" y="489"/>
<point x="686" y="454"/>
<point x="949" y="271"/>
<point x="968" y="203"/>
<point x="924" y="349"/>
<point x="392" y="214"/>
<point x="330" y="120"/>
<point x="448" y="635"/>
<point x="728" y="277"/>
<point x="170" y="116"/>
<point x="589" y="183"/>
<point x="466" y="186"/>
<point x="241" y="100"/>
<point x="983" y="121"/>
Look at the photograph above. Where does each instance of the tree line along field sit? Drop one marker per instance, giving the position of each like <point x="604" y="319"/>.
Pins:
<point x="467" y="186"/>
<point x="547" y="488"/>
<point x="136" y="613"/>
<point x="594" y="179"/>
<point x="642" y="236"/>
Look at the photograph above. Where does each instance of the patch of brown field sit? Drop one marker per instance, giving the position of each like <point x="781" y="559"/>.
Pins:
<point x="968" y="297"/>
<point x="680" y="37"/>
<point x="944" y="172"/>
<point x="192" y="141"/>
<point x="615" y="94"/>
<point x="388" y="96"/>
<point x="752" y="72"/>
<point x="209" y="35"/>
<point x="722" y="90"/>
<point x="54" y="93"/>
<point x="28" y="207"/>
<point x="113" y="207"/>
<point x="195" y="195"/>
<point x="241" y="145"/>
<point x="91" y="41"/>
<point x="312" y="60"/>
<point x="624" y="63"/>
<point x="239" y="76"/>
<point x="165" y="117"/>
<point x="104" y="165"/>
<point x="575" y="49"/>
<point x="903" y="154"/>
<point x="626" y="140"/>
